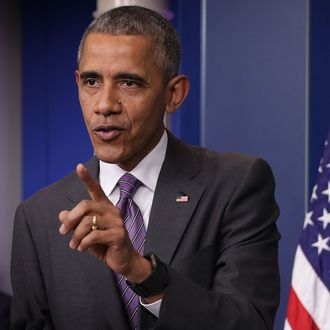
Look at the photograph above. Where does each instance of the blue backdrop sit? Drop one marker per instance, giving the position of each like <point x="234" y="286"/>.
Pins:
<point x="319" y="101"/>
<point x="54" y="136"/>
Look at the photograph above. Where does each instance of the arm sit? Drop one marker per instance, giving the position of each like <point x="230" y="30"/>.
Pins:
<point x="244" y="293"/>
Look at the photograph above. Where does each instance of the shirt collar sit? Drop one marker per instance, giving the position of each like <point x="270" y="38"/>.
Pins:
<point x="147" y="171"/>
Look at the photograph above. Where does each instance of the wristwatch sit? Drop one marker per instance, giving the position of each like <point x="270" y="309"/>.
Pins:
<point x="155" y="282"/>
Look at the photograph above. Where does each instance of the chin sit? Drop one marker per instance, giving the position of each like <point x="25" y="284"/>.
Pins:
<point x="107" y="156"/>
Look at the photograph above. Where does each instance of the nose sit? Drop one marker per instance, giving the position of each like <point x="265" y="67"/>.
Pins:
<point x="108" y="102"/>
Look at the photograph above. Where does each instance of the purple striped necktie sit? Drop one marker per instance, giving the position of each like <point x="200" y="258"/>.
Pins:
<point x="131" y="214"/>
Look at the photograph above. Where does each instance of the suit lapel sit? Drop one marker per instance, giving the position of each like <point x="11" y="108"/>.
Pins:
<point x="98" y="275"/>
<point x="169" y="218"/>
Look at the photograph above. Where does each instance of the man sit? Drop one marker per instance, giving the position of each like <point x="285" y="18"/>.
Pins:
<point x="195" y="239"/>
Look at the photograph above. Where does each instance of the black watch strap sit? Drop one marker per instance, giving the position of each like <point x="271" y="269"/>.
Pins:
<point x="155" y="282"/>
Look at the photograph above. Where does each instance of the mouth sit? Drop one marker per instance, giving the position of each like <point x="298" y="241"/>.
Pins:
<point x="107" y="133"/>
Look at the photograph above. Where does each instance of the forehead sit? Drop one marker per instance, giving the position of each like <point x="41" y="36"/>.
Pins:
<point x="109" y="49"/>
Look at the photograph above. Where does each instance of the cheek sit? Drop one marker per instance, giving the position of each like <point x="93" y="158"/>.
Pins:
<point x="142" y="119"/>
<point x="86" y="106"/>
<point x="147" y="110"/>
<point x="86" y="116"/>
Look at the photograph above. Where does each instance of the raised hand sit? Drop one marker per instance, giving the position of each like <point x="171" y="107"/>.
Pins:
<point x="109" y="242"/>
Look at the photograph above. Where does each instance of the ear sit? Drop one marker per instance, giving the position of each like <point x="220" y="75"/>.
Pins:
<point x="178" y="89"/>
<point x="76" y="73"/>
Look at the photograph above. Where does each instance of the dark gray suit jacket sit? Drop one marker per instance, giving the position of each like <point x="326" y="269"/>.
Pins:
<point x="221" y="247"/>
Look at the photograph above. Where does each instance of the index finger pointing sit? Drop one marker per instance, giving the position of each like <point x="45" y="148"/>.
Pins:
<point x="93" y="187"/>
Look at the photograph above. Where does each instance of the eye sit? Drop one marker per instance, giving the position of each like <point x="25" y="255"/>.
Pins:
<point x="129" y="83"/>
<point x="90" y="81"/>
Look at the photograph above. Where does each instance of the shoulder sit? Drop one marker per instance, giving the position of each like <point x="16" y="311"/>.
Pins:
<point x="232" y="172"/>
<point x="67" y="188"/>
<point x="230" y="163"/>
<point x="207" y="157"/>
<point x="44" y="204"/>
<point x="213" y="165"/>
<point x="58" y="188"/>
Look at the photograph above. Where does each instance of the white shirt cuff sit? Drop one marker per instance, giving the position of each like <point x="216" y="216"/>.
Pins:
<point x="153" y="308"/>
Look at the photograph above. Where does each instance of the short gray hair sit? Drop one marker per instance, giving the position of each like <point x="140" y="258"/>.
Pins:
<point x="135" y="20"/>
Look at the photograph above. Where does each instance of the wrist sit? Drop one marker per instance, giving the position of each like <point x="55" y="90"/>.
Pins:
<point x="153" y="285"/>
<point x="139" y="270"/>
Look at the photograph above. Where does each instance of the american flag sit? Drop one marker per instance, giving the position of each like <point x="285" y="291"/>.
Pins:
<point x="182" y="199"/>
<point x="309" y="298"/>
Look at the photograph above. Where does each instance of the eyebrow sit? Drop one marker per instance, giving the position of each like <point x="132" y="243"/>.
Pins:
<point x="90" y="74"/>
<point x="131" y="76"/>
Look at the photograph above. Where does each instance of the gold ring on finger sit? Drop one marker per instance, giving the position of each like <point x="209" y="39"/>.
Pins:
<point x="94" y="223"/>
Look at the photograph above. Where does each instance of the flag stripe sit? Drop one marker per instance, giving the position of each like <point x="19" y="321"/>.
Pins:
<point x="287" y="326"/>
<point x="315" y="297"/>
<point x="297" y="316"/>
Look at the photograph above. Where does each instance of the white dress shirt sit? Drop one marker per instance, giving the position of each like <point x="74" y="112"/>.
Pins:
<point x="147" y="171"/>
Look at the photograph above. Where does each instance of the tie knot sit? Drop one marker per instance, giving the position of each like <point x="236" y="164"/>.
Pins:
<point x="128" y="184"/>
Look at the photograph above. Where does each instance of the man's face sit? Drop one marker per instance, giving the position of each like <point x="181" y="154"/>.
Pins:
<point x="122" y="96"/>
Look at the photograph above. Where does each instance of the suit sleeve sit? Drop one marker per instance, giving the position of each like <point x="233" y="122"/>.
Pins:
<point x="245" y="289"/>
<point x="29" y="300"/>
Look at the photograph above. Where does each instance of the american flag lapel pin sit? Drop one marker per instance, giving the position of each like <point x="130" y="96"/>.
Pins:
<point x="182" y="198"/>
